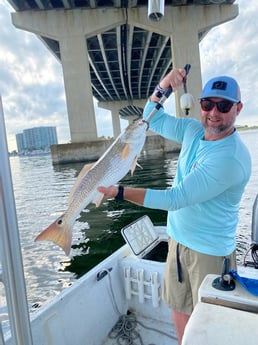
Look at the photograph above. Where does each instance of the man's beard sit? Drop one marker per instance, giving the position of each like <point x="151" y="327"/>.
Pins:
<point x="220" y="129"/>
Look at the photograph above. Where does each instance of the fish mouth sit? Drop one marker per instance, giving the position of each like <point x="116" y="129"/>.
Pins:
<point x="146" y="123"/>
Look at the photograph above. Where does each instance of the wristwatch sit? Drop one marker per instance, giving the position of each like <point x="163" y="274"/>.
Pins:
<point x="120" y="194"/>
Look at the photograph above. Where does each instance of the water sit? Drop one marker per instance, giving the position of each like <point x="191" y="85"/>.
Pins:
<point x="41" y="191"/>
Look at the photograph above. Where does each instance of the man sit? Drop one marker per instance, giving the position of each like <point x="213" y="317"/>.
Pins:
<point x="214" y="167"/>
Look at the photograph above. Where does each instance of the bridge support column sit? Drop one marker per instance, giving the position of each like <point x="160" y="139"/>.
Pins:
<point x="71" y="29"/>
<point x="115" y="107"/>
<point x="183" y="24"/>
<point x="185" y="49"/>
<point x="77" y="81"/>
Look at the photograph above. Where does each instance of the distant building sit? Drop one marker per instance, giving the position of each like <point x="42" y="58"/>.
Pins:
<point x="20" y="142"/>
<point x="37" y="138"/>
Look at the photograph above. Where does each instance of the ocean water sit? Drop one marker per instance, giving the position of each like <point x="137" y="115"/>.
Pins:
<point x="41" y="191"/>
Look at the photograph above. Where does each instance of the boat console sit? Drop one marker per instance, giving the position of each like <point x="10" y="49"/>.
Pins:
<point x="228" y="315"/>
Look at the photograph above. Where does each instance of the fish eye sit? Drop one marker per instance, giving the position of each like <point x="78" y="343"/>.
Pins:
<point x="60" y="222"/>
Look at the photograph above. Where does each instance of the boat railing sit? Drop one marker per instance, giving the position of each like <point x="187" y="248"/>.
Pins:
<point x="10" y="251"/>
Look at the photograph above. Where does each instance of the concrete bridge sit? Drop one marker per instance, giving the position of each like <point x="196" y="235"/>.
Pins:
<point x="113" y="51"/>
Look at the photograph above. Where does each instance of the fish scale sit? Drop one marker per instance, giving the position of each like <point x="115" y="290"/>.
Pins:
<point x="112" y="166"/>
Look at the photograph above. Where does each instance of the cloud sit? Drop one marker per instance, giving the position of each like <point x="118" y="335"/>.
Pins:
<point x="31" y="82"/>
<point x="231" y="49"/>
<point x="31" y="79"/>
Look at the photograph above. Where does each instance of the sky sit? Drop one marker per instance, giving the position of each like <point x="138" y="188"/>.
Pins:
<point x="32" y="87"/>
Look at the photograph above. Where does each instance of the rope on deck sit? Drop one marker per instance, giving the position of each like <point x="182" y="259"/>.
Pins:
<point x="124" y="331"/>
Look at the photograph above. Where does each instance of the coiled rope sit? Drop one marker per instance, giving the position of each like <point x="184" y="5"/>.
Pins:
<point x="124" y="331"/>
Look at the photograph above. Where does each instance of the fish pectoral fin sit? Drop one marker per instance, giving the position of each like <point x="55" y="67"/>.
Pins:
<point x="138" y="165"/>
<point x="98" y="199"/>
<point x="134" y="164"/>
<point x="59" y="233"/>
<point x="125" y="152"/>
<point x="84" y="170"/>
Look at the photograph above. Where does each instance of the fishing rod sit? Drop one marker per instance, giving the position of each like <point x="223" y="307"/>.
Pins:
<point x="166" y="94"/>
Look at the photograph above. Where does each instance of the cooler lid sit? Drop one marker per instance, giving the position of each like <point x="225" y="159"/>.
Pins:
<point x="140" y="235"/>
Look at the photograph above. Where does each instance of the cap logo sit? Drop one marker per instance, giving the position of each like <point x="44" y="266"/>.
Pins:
<point x="219" y="85"/>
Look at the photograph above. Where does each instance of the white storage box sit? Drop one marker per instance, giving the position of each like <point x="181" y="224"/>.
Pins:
<point x="145" y="241"/>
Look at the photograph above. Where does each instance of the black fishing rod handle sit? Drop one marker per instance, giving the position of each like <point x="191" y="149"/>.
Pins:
<point x="187" y="68"/>
<point x="169" y="90"/>
<point x="167" y="93"/>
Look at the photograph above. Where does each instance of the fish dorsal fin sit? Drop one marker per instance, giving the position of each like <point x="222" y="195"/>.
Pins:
<point x="125" y="152"/>
<point x="134" y="164"/>
<point x="85" y="168"/>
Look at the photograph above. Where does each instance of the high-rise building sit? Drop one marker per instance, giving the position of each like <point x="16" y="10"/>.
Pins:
<point x="20" y="142"/>
<point x="37" y="138"/>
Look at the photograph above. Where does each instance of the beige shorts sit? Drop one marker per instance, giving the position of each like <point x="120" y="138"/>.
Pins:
<point x="182" y="296"/>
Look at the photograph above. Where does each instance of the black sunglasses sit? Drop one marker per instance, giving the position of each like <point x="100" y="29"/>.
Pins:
<point x="222" y="106"/>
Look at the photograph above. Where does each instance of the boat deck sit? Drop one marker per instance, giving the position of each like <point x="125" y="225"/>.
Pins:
<point x="141" y="331"/>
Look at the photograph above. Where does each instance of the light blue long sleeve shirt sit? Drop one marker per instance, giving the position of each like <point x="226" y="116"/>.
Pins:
<point x="204" y="200"/>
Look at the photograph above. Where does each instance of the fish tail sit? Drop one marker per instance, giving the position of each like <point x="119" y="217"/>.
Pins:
<point x="58" y="232"/>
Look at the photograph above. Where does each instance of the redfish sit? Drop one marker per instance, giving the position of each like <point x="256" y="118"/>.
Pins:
<point x="112" y="166"/>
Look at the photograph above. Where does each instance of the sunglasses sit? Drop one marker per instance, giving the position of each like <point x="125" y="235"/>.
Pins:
<point x="222" y="106"/>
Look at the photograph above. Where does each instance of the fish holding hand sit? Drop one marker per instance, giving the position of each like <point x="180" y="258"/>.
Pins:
<point x="112" y="166"/>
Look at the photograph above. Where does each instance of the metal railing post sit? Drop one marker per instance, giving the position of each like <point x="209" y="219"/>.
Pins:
<point x="10" y="251"/>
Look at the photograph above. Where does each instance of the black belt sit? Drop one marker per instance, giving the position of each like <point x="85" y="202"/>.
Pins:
<point x="179" y="268"/>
